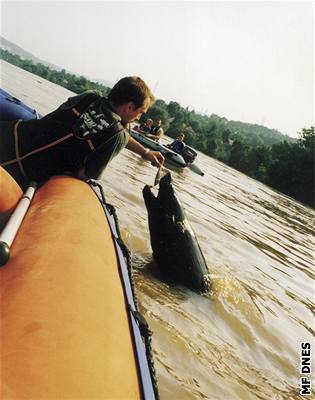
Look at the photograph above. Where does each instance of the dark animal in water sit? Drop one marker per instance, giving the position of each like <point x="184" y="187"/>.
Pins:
<point x="174" y="244"/>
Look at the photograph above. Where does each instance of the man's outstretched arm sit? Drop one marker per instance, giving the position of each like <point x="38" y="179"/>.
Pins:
<point x="155" y="157"/>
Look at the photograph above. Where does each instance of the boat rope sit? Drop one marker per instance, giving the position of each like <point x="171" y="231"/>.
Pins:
<point x="124" y="248"/>
<point x="137" y="319"/>
<point x="147" y="335"/>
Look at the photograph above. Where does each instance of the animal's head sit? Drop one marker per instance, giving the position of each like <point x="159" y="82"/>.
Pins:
<point x="166" y="190"/>
<point x="166" y="202"/>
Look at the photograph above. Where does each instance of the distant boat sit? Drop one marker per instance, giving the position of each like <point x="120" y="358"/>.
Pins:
<point x="172" y="158"/>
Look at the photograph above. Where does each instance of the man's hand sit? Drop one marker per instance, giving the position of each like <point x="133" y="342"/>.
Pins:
<point x="155" y="157"/>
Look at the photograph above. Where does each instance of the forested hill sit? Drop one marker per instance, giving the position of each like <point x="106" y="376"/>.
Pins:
<point x="257" y="135"/>
<point x="213" y="135"/>
<point x="15" y="49"/>
<point x="262" y="153"/>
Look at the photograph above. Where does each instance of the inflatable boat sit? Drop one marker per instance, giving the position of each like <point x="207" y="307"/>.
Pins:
<point x="70" y="327"/>
<point x="12" y="108"/>
<point x="172" y="158"/>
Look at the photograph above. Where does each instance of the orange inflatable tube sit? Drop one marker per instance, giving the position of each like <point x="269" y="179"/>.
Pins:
<point x="10" y="194"/>
<point x="65" y="332"/>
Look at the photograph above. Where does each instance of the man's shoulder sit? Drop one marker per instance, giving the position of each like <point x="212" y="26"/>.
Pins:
<point x="86" y="96"/>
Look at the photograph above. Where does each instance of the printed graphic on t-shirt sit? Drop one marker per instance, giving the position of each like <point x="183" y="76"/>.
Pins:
<point x="90" y="123"/>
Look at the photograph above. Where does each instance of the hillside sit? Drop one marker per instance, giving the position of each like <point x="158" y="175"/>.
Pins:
<point x="258" y="134"/>
<point x="253" y="134"/>
<point x="15" y="49"/>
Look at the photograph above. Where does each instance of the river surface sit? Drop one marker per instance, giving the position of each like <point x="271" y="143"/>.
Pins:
<point x="242" y="340"/>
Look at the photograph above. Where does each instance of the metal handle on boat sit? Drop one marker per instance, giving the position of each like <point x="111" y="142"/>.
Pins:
<point x="9" y="232"/>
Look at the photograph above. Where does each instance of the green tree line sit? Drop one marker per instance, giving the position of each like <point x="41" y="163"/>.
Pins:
<point x="76" y="84"/>
<point x="264" y="154"/>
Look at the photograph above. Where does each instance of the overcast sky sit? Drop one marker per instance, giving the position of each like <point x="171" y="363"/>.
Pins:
<point x="247" y="61"/>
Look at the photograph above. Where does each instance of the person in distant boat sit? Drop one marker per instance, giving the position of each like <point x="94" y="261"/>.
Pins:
<point x="156" y="131"/>
<point x="80" y="137"/>
<point x="146" y="126"/>
<point x="178" y="144"/>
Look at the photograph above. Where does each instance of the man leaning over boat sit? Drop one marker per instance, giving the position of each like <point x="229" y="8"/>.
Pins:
<point x="80" y="137"/>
